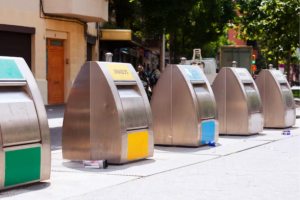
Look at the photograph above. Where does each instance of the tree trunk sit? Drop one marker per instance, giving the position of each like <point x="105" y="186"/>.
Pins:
<point x="170" y="48"/>
<point x="175" y="46"/>
<point x="276" y="64"/>
<point x="288" y="67"/>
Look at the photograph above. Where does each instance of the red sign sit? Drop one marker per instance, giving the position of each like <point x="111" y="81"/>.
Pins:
<point x="142" y="52"/>
<point x="228" y="60"/>
<point x="254" y="68"/>
<point x="281" y="66"/>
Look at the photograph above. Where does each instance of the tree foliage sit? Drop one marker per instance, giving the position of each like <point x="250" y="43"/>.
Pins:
<point x="189" y="23"/>
<point x="274" y="23"/>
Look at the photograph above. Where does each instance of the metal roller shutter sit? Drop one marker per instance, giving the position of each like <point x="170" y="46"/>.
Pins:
<point x="16" y="45"/>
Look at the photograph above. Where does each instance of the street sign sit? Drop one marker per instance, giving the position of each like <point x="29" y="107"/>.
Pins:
<point x="254" y="68"/>
<point x="281" y="66"/>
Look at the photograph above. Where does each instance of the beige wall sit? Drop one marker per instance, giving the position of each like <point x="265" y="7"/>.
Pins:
<point x="75" y="43"/>
<point x="86" y="10"/>
<point x="26" y="5"/>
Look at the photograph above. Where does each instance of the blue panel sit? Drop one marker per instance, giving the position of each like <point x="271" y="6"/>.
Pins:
<point x="208" y="132"/>
<point x="193" y="73"/>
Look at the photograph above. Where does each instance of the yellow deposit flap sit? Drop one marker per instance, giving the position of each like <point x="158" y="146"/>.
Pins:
<point x="137" y="145"/>
<point x="120" y="72"/>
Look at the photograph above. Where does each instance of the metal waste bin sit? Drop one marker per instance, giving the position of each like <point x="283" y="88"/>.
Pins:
<point x="25" y="155"/>
<point x="238" y="101"/>
<point x="107" y="115"/>
<point x="184" y="108"/>
<point x="279" y="108"/>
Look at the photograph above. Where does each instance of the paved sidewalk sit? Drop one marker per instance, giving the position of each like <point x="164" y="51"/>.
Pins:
<point x="271" y="171"/>
<point x="262" y="166"/>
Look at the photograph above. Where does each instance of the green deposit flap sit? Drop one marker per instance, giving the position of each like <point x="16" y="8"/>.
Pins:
<point x="9" y="70"/>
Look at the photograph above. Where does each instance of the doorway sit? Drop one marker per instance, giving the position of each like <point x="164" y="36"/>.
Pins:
<point x="55" y="70"/>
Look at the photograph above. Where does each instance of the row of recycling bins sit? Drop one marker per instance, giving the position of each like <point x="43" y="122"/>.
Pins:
<point x="108" y="115"/>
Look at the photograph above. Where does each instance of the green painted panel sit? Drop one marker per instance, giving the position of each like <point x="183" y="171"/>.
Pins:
<point x="22" y="166"/>
<point x="9" y="69"/>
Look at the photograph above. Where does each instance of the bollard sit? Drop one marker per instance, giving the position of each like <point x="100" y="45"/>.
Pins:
<point x="234" y="63"/>
<point x="183" y="61"/>
<point x="270" y="67"/>
<point x="108" y="57"/>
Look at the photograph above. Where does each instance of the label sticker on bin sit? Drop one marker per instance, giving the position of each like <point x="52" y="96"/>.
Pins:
<point x="193" y="73"/>
<point x="120" y="72"/>
<point x="9" y="70"/>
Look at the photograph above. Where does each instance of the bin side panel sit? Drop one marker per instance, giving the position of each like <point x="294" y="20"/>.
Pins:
<point x="219" y="90"/>
<point x="161" y="103"/>
<point x="76" y="126"/>
<point x="237" y="116"/>
<point x="185" y="119"/>
<point x="22" y="166"/>
<point x="106" y="134"/>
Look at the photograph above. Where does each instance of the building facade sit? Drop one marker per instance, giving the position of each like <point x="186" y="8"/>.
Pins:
<point x="55" y="37"/>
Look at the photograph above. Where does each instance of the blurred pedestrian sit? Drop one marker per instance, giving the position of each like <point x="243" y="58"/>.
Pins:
<point x="145" y="82"/>
<point x="148" y="71"/>
<point x="154" y="76"/>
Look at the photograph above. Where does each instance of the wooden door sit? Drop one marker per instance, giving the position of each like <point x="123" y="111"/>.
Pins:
<point x="55" y="71"/>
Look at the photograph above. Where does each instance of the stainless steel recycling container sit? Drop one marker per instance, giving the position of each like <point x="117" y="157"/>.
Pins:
<point x="25" y="155"/>
<point x="107" y="115"/>
<point x="238" y="101"/>
<point x="184" y="108"/>
<point x="277" y="99"/>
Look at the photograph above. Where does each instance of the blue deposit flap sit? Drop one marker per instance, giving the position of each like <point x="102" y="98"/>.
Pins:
<point x="193" y="73"/>
<point x="208" y="132"/>
<point x="9" y="70"/>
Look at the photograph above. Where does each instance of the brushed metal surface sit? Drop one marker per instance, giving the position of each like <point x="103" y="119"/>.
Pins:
<point x="2" y="161"/>
<point x="76" y="124"/>
<point x="277" y="99"/>
<point x="32" y="92"/>
<point x="238" y="102"/>
<point x="18" y="121"/>
<point x="185" y="111"/>
<point x="179" y="105"/>
<point x="101" y="111"/>
<point x="205" y="101"/>
<point x="23" y="83"/>
<point x="253" y="102"/>
<point x="219" y="91"/>
<point x="161" y="106"/>
<point x="288" y="99"/>
<point x="133" y="108"/>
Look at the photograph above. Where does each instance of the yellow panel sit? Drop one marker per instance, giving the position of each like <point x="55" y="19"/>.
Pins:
<point x="137" y="145"/>
<point x="124" y="35"/>
<point x="119" y="72"/>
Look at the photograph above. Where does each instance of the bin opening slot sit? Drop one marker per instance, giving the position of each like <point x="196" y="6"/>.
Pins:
<point x="18" y="121"/>
<point x="287" y="95"/>
<point x="252" y="98"/>
<point x="125" y="82"/>
<point x="133" y="106"/>
<point x="15" y="83"/>
<point x="198" y="82"/>
<point x="205" y="102"/>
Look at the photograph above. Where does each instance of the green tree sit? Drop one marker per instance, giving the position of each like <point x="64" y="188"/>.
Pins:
<point x="123" y="14"/>
<point x="190" y="24"/>
<point x="275" y="23"/>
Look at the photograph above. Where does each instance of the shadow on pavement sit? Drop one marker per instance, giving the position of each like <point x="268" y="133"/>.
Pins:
<point x="55" y="111"/>
<point x="24" y="189"/>
<point x="56" y="138"/>
<point x="77" y="165"/>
